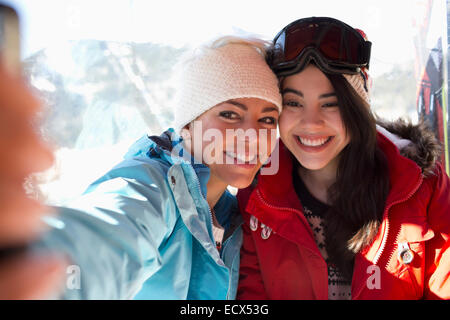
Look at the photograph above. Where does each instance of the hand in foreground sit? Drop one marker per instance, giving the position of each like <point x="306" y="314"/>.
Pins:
<point x="22" y="276"/>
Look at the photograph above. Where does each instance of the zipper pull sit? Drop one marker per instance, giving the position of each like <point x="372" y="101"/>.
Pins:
<point x="405" y="254"/>
<point x="265" y="231"/>
<point x="254" y="223"/>
<point x="218" y="233"/>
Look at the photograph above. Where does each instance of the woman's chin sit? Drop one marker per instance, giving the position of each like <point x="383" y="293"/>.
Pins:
<point x="242" y="184"/>
<point x="239" y="181"/>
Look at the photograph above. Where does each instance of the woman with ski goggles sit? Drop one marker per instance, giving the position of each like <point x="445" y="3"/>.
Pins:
<point x="355" y="211"/>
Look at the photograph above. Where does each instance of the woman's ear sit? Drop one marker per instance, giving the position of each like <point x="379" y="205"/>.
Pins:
<point x="186" y="135"/>
<point x="185" y="132"/>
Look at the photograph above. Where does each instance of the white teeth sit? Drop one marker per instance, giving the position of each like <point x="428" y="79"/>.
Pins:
<point x="241" y="158"/>
<point x="313" y="142"/>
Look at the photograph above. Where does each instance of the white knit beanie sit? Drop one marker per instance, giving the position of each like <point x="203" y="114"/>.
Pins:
<point x="215" y="75"/>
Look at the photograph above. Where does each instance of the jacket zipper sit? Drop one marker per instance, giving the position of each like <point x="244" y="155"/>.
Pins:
<point x="385" y="236"/>
<point x="200" y="192"/>
<point x="223" y="244"/>
<point x="225" y="247"/>
<point x="386" y="215"/>
<point x="275" y="207"/>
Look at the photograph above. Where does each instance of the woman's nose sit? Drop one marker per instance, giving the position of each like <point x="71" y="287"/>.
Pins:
<point x="246" y="137"/>
<point x="312" y="118"/>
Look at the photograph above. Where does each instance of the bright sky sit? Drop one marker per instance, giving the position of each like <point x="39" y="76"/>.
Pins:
<point x="388" y="23"/>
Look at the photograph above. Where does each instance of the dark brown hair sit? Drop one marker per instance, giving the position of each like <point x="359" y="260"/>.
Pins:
<point x="358" y="196"/>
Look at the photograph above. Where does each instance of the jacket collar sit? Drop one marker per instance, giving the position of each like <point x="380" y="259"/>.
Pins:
<point x="169" y="148"/>
<point x="424" y="147"/>
<point x="278" y="188"/>
<point x="405" y="175"/>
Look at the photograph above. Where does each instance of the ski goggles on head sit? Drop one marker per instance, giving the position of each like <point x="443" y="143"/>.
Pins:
<point x="333" y="45"/>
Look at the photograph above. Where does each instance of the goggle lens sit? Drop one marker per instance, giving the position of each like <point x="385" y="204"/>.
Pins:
<point x="333" y="40"/>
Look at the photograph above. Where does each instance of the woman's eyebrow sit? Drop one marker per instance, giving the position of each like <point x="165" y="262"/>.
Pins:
<point x="327" y="95"/>
<point x="299" y="93"/>
<point x="287" y="90"/>
<point x="238" y="104"/>
<point x="270" y="109"/>
<point x="244" y="107"/>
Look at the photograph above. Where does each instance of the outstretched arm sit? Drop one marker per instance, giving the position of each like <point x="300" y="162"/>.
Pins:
<point x="111" y="234"/>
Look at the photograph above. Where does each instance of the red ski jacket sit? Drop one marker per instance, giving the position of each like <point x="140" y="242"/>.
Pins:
<point x="409" y="258"/>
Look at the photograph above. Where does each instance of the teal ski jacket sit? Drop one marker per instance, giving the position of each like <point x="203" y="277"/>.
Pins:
<point x="144" y="230"/>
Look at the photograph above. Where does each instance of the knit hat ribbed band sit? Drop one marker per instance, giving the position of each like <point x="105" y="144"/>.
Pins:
<point x="220" y="74"/>
<point x="361" y="83"/>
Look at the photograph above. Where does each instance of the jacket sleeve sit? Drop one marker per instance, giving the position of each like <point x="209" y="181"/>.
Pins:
<point x="251" y="286"/>
<point x="111" y="235"/>
<point x="437" y="263"/>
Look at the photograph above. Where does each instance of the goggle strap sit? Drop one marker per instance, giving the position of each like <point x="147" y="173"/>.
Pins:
<point x="312" y="55"/>
<point x="367" y="50"/>
<point x="364" y="76"/>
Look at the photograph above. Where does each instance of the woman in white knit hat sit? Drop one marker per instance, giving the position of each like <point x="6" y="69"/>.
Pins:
<point x="161" y="224"/>
<point x="347" y="215"/>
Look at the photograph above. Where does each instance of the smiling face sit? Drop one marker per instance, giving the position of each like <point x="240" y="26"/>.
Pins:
<point x="311" y="126"/>
<point x="234" y="139"/>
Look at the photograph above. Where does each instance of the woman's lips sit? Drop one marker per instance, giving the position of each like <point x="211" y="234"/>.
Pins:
<point x="313" y="144"/>
<point x="243" y="161"/>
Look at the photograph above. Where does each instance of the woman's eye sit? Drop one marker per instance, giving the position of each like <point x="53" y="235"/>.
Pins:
<point x="229" y="115"/>
<point x="331" y="105"/>
<point x="292" y="103"/>
<point x="269" y="120"/>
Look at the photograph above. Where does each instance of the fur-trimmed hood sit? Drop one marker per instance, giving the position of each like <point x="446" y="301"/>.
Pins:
<point x="416" y="142"/>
